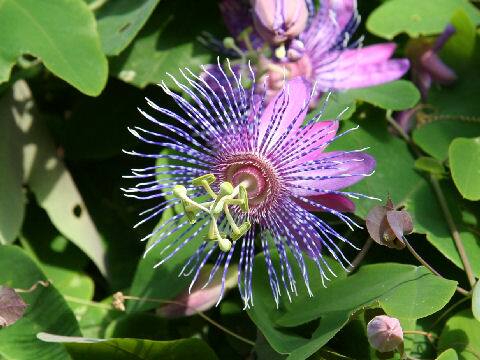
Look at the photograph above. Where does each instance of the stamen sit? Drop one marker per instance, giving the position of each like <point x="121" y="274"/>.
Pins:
<point x="226" y="196"/>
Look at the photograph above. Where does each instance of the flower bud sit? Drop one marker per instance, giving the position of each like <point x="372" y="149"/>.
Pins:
<point x="279" y="20"/>
<point x="201" y="297"/>
<point x="384" y="333"/>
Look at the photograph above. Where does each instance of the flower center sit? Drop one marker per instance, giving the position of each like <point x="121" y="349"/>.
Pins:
<point x="259" y="177"/>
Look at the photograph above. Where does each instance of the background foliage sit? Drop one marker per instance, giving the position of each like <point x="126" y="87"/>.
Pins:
<point x="73" y="72"/>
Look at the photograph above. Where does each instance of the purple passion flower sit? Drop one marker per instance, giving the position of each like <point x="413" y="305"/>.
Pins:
<point x="323" y="53"/>
<point x="427" y="66"/>
<point x="246" y="174"/>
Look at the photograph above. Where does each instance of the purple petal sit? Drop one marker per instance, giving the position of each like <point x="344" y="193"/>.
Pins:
<point x="351" y="168"/>
<point x="322" y="132"/>
<point x="332" y="201"/>
<point x="367" y="67"/>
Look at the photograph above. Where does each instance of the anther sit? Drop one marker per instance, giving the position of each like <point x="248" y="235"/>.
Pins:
<point x="205" y="181"/>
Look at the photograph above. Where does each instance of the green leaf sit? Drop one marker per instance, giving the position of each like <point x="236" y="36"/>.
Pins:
<point x="426" y="17"/>
<point x="394" y="174"/>
<point x="141" y="325"/>
<point x="449" y="354"/>
<point x="96" y="319"/>
<point x="58" y="258"/>
<point x="430" y="220"/>
<point x="61" y="33"/>
<point x="435" y="137"/>
<point x="476" y="301"/>
<point x="430" y="165"/>
<point x="160" y="47"/>
<point x="46" y="311"/>
<point x="403" y="291"/>
<point x="12" y="204"/>
<point x="395" y="95"/>
<point x="464" y="155"/>
<point x="119" y="21"/>
<point x="462" y="333"/>
<point x="50" y="180"/>
<point x="126" y="349"/>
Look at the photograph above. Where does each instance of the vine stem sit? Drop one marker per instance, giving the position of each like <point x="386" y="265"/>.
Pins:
<point x="453" y="230"/>
<point x="448" y="311"/>
<point x="429" y="267"/>
<point x="160" y="301"/>
<point x="361" y="255"/>
<point x="443" y="205"/>
<point x="199" y="313"/>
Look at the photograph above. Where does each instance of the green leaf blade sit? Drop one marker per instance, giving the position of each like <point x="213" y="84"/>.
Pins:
<point x="426" y="17"/>
<point x="464" y="157"/>
<point x="74" y="54"/>
<point x="46" y="311"/>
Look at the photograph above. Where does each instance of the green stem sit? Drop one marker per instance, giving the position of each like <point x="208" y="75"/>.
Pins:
<point x="448" y="311"/>
<point x="453" y="230"/>
<point x="159" y="301"/>
<point x="429" y="267"/>
<point x="361" y="255"/>
<point x="443" y="205"/>
<point x="199" y="313"/>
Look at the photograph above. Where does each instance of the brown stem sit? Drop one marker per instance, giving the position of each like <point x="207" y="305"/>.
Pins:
<point x="361" y="255"/>
<point x="428" y="266"/>
<point x="33" y="287"/>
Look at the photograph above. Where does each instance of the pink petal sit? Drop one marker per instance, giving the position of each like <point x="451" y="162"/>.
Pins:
<point x="357" y="164"/>
<point x="332" y="201"/>
<point x="366" y="55"/>
<point x="371" y="74"/>
<point x="318" y="135"/>
<point x="297" y="92"/>
<point x="362" y="67"/>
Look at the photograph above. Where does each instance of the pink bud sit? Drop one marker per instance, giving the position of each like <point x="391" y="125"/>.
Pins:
<point x="384" y="333"/>
<point x="279" y="20"/>
<point x="200" y="298"/>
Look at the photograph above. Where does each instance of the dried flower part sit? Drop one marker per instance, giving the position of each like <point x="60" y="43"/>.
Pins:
<point x="12" y="306"/>
<point x="118" y="301"/>
<point x="384" y="333"/>
<point x="387" y="226"/>
<point x="279" y="20"/>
